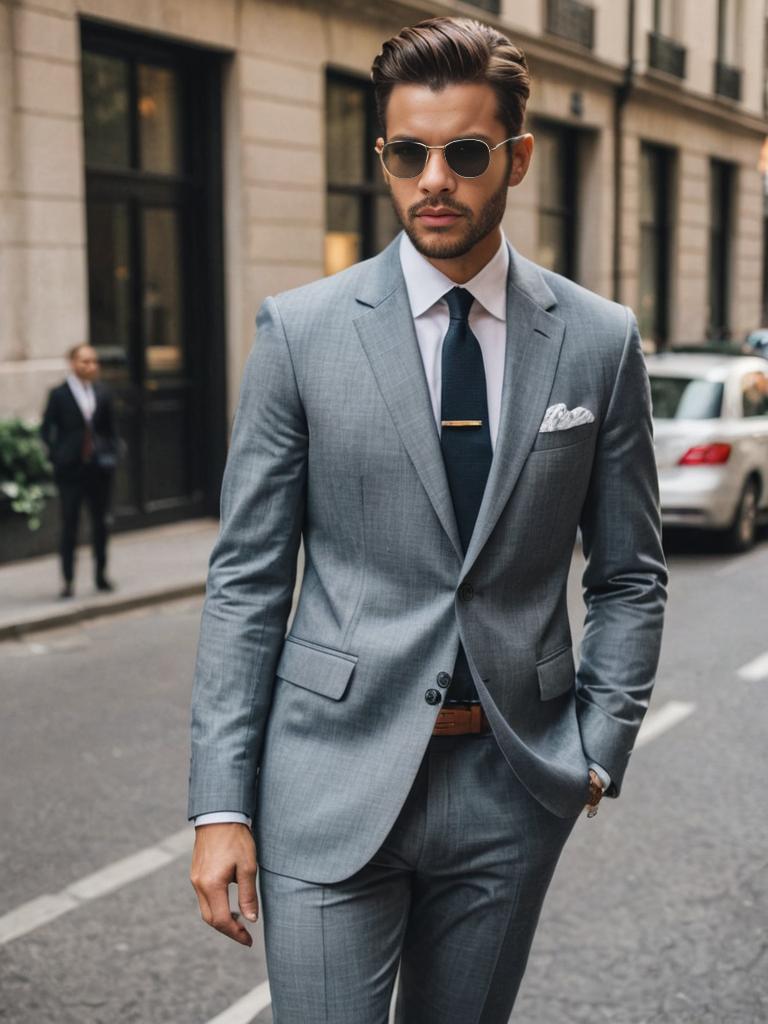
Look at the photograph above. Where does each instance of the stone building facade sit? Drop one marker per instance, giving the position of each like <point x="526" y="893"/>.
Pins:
<point x="165" y="165"/>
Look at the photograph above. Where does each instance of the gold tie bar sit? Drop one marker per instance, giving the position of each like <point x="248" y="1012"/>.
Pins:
<point x="461" y="423"/>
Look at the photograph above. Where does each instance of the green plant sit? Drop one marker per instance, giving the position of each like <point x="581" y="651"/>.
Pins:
<point x="25" y="472"/>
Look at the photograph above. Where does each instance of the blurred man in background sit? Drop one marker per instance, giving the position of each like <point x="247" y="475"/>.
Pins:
<point x="78" y="429"/>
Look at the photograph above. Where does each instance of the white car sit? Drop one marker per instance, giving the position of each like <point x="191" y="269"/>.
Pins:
<point x="710" y="415"/>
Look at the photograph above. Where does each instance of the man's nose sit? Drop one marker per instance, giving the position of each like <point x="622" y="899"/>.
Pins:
<point x="437" y="175"/>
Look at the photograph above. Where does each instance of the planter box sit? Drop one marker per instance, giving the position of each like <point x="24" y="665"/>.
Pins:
<point x="17" y="541"/>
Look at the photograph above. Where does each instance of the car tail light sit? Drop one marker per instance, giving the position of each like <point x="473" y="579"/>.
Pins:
<point x="706" y="455"/>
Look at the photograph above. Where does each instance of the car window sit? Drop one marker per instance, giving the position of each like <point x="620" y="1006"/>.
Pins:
<point x="754" y="394"/>
<point x="681" y="398"/>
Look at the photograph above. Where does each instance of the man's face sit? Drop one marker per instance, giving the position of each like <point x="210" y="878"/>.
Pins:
<point x="472" y="208"/>
<point x="85" y="363"/>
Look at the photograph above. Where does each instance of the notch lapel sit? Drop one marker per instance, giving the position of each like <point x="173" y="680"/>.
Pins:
<point x="534" y="339"/>
<point x="388" y="336"/>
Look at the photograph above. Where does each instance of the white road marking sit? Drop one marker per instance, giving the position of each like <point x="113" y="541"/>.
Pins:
<point x="755" y="670"/>
<point x="48" y="907"/>
<point x="660" y="720"/>
<point x="245" y="1009"/>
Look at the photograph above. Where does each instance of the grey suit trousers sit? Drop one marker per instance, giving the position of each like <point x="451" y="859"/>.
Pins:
<point x="452" y="897"/>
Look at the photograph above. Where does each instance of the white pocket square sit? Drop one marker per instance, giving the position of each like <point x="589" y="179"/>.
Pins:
<point x="560" y="417"/>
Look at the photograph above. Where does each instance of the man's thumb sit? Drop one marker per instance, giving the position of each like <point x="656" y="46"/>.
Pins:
<point x="246" y="892"/>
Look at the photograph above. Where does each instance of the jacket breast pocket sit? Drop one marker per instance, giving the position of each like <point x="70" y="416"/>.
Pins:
<point x="547" y="440"/>
<point x="320" y="669"/>
<point x="557" y="673"/>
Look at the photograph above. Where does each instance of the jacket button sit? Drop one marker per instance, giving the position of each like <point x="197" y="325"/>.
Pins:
<point x="443" y="679"/>
<point x="432" y="696"/>
<point x="466" y="592"/>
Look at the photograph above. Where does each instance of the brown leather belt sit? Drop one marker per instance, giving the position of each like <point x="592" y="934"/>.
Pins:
<point x="455" y="721"/>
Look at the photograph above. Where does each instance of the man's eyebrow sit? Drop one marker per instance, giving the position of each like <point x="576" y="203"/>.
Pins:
<point x="466" y="135"/>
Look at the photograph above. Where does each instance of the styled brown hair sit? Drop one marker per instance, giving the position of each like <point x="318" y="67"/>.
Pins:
<point x="451" y="51"/>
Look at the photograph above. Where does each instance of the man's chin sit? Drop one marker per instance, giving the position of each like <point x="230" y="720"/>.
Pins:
<point x="440" y="243"/>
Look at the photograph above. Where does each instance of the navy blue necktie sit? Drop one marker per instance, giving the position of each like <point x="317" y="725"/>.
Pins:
<point x="465" y="439"/>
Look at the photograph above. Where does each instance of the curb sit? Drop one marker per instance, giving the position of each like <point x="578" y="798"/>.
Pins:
<point x="110" y="606"/>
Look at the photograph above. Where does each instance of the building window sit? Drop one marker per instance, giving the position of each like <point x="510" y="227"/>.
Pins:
<point x="720" y="221"/>
<point x="664" y="52"/>
<point x="556" y="162"/>
<point x="155" y="285"/>
<point x="493" y="6"/>
<point x="571" y="20"/>
<point x="655" y="242"/>
<point x="729" y="37"/>
<point x="360" y="220"/>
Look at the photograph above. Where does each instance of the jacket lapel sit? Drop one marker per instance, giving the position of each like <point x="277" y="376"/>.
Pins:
<point x="388" y="337"/>
<point x="73" y="401"/>
<point x="534" y="339"/>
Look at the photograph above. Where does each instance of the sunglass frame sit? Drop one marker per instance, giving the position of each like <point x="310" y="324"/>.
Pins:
<point x="426" y="148"/>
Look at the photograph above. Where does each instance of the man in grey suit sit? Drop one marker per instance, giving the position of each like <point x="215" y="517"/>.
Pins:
<point x="436" y="423"/>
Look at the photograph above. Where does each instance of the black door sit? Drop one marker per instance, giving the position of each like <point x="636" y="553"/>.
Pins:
<point x="153" y="189"/>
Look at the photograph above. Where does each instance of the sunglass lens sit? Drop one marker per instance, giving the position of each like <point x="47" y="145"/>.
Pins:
<point x="404" y="159"/>
<point x="468" y="157"/>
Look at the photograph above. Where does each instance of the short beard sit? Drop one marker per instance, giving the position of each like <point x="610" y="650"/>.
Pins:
<point x="436" y="248"/>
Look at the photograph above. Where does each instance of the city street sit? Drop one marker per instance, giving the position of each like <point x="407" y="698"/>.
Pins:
<point x="658" y="912"/>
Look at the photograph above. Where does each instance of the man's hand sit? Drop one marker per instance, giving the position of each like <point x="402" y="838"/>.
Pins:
<point x="225" y="853"/>
<point x="595" y="793"/>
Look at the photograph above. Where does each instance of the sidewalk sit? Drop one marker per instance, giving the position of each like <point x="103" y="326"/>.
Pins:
<point x="146" y="566"/>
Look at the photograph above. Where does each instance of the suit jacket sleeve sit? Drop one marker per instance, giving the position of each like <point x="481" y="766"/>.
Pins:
<point x="625" y="577"/>
<point x="48" y="423"/>
<point x="251" y="577"/>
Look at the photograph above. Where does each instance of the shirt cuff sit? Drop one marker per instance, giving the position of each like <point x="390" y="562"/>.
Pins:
<point x="602" y="774"/>
<point x="219" y="817"/>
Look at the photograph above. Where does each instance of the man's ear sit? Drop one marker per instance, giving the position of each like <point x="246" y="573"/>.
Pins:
<point x="384" y="171"/>
<point x="521" y="160"/>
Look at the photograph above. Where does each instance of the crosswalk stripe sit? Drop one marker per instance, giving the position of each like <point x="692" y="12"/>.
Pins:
<point x="49" y="906"/>
<point x="755" y="670"/>
<point x="659" y="720"/>
<point x="245" y="1009"/>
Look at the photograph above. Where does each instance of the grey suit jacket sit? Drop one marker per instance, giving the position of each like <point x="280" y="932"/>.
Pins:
<point x="319" y="734"/>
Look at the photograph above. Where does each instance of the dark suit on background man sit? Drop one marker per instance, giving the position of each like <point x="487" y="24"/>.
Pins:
<point x="83" y="453"/>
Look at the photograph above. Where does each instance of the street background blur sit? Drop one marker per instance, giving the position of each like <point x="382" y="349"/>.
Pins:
<point x="166" y="165"/>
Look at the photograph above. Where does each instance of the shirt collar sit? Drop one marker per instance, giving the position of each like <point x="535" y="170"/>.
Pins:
<point x="79" y="386"/>
<point x="426" y="284"/>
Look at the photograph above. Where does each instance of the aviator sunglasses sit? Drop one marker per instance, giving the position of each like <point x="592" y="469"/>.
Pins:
<point x="469" y="158"/>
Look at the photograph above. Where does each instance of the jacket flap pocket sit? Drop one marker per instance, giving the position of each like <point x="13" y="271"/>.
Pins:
<point x="557" y="673"/>
<point x="316" y="668"/>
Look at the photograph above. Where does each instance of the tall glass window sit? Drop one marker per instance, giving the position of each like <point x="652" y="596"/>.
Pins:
<point x="152" y="158"/>
<point x="360" y="220"/>
<point x="556" y="169"/>
<point x="721" y="183"/>
<point x="655" y="241"/>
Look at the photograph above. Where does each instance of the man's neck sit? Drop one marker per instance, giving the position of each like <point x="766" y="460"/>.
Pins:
<point x="463" y="268"/>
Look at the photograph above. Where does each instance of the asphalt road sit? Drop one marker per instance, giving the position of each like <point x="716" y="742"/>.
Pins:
<point x="658" y="911"/>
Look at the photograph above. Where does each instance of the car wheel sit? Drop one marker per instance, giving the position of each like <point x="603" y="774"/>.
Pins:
<point x="741" y="534"/>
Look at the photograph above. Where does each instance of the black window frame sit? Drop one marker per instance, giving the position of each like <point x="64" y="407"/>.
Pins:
<point x="197" y="188"/>
<point x="721" y="206"/>
<point x="660" y="230"/>
<point x="568" y="139"/>
<point x="373" y="187"/>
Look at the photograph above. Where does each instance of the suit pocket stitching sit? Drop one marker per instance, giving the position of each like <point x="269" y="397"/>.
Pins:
<point x="553" y="654"/>
<point x="559" y="447"/>
<point x="320" y="647"/>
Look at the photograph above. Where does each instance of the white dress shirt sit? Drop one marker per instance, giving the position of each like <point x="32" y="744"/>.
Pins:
<point x="426" y="286"/>
<point x="84" y="395"/>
